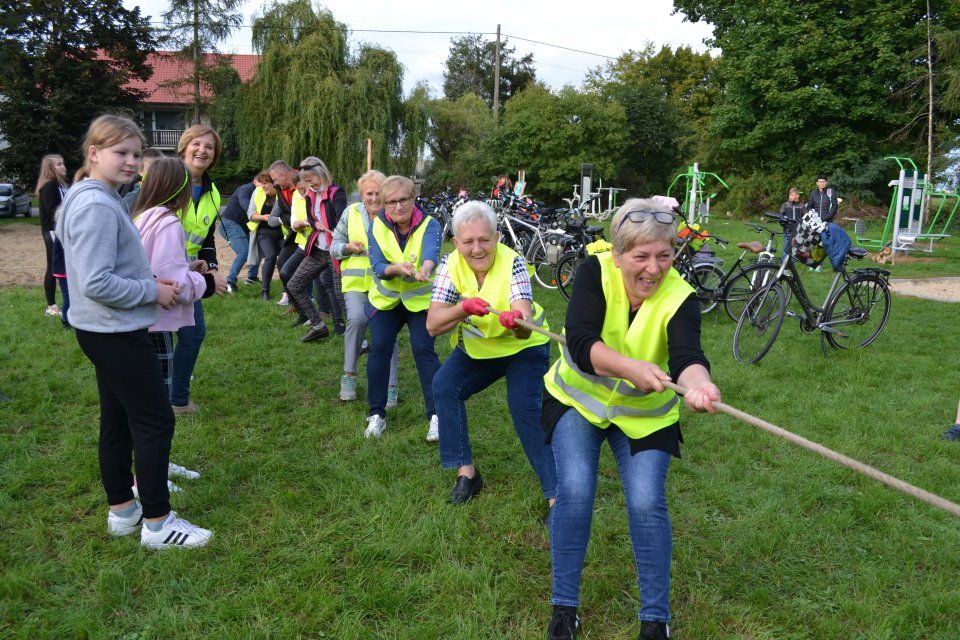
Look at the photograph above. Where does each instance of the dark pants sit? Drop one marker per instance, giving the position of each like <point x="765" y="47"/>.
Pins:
<point x="309" y="269"/>
<point x="136" y="421"/>
<point x="269" y="241"/>
<point x="384" y="327"/>
<point x="189" y="341"/>
<point x="49" y="284"/>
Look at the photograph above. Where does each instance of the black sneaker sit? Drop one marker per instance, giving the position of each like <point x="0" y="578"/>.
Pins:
<point x="565" y="623"/>
<point x="339" y="327"/>
<point x="953" y="433"/>
<point x="252" y="280"/>
<point x="651" y="630"/>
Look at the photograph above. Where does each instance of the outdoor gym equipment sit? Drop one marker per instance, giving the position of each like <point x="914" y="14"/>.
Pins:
<point x="860" y="467"/>
<point x="945" y="199"/>
<point x="693" y="202"/>
<point x="904" y="224"/>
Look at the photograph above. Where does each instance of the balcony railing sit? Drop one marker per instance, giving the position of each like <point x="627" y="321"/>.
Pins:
<point x="163" y="138"/>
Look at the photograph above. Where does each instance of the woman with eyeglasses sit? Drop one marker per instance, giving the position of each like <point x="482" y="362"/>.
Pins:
<point x="404" y="247"/>
<point x="632" y="323"/>
<point x="326" y="202"/>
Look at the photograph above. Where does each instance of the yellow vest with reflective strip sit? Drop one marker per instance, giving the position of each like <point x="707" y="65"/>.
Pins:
<point x="197" y="219"/>
<point x="298" y="211"/>
<point x="386" y="294"/>
<point x="259" y="197"/>
<point x="605" y="400"/>
<point x="355" y="272"/>
<point x="484" y="337"/>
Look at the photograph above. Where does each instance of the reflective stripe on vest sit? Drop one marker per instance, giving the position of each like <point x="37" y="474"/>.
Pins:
<point x="603" y="400"/>
<point x="413" y="294"/>
<point x="355" y="271"/>
<point x="484" y="337"/>
<point x="197" y="219"/>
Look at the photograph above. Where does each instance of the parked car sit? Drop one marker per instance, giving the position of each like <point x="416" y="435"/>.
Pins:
<point x="13" y="201"/>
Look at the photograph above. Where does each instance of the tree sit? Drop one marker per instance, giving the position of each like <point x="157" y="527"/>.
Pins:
<point x="312" y="96"/>
<point x="65" y="63"/>
<point x="193" y="28"/>
<point x="471" y="65"/>
<point x="457" y="136"/>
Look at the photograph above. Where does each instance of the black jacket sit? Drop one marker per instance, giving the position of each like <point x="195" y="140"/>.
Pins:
<point x="824" y="203"/>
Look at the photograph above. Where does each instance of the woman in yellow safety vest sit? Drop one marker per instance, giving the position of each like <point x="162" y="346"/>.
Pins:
<point x="630" y="320"/>
<point x="199" y="148"/>
<point x="268" y="238"/>
<point x="481" y="275"/>
<point x="350" y="247"/>
<point x="404" y="247"/>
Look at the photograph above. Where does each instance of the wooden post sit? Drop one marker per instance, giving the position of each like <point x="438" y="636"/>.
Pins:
<point x="369" y="154"/>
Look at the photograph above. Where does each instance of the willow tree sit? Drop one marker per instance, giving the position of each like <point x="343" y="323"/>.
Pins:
<point x="312" y="96"/>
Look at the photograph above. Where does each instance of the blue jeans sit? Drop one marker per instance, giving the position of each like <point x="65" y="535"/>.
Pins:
<point x="239" y="238"/>
<point x="185" y="356"/>
<point x="384" y="327"/>
<point x="576" y="447"/>
<point x="461" y="376"/>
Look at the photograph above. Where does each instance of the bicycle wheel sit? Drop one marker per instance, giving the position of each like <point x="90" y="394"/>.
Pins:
<point x="566" y="270"/>
<point x="543" y="273"/>
<point x="707" y="279"/>
<point x="759" y="324"/>
<point x="747" y="282"/>
<point x="859" y="310"/>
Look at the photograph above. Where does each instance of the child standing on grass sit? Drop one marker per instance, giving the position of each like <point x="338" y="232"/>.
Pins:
<point x="161" y="194"/>
<point x="114" y="299"/>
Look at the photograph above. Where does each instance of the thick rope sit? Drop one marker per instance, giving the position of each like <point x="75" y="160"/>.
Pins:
<point x="829" y="454"/>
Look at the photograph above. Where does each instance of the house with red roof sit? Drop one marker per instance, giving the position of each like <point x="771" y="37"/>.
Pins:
<point x="170" y="93"/>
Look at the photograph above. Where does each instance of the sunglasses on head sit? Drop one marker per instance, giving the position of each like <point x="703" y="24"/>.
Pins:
<point x="640" y="215"/>
<point x="307" y="167"/>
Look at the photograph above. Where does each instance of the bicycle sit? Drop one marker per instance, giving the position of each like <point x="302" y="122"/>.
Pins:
<point x="849" y="318"/>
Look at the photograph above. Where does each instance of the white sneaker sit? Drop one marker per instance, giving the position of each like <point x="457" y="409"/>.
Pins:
<point x="172" y="488"/>
<point x="284" y="300"/>
<point x="120" y="526"/>
<point x="348" y="388"/>
<point x="433" y="433"/>
<point x="53" y="310"/>
<point x="375" y="426"/>
<point x="176" y="532"/>
<point x="177" y="471"/>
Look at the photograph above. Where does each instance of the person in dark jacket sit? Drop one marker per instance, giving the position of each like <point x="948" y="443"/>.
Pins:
<point x="51" y="187"/>
<point x="233" y="229"/>
<point x="823" y="199"/>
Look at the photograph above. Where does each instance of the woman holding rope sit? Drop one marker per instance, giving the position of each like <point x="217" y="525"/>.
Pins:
<point x="631" y="319"/>
<point x="480" y="292"/>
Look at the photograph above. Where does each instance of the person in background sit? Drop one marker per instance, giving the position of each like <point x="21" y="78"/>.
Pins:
<point x="631" y="319"/>
<point x="482" y="275"/>
<point x="792" y="210"/>
<point x="404" y="247"/>
<point x="269" y="239"/>
<point x="51" y="187"/>
<point x="284" y="179"/>
<point x="350" y="247"/>
<point x="115" y="300"/>
<point x="129" y="191"/>
<point x="233" y="229"/>
<point x="199" y="148"/>
<point x="823" y="199"/>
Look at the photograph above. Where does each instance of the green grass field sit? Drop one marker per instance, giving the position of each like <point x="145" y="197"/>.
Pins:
<point x="323" y="534"/>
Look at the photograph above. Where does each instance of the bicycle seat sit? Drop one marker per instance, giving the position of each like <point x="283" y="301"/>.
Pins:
<point x="857" y="252"/>
<point x="754" y="246"/>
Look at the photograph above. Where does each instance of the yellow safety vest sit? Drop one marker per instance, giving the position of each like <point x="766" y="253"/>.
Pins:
<point x="386" y="294"/>
<point x="197" y="219"/>
<point x="484" y="337"/>
<point x="298" y="211"/>
<point x="604" y="400"/>
<point x="259" y="197"/>
<point x="355" y="272"/>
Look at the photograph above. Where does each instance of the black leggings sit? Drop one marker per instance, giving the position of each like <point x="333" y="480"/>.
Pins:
<point x="136" y="420"/>
<point x="49" y="282"/>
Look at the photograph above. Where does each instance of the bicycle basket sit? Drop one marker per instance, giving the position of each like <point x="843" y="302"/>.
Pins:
<point x="805" y="246"/>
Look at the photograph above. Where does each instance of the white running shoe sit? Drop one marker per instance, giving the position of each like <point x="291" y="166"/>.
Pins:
<point x="284" y="300"/>
<point x="176" y="532"/>
<point x="177" y="471"/>
<point x="172" y="488"/>
<point x="375" y="426"/>
<point x="120" y="526"/>
<point x="433" y="433"/>
<point x="53" y="310"/>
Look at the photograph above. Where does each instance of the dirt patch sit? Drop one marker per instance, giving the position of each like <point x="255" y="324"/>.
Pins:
<point x="940" y="289"/>
<point x="22" y="256"/>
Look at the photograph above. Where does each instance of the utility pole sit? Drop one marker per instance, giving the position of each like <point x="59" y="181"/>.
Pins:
<point x="929" y="103"/>
<point x="496" y="80"/>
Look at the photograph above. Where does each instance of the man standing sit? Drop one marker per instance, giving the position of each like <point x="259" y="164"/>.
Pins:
<point x="233" y="229"/>
<point x="823" y="199"/>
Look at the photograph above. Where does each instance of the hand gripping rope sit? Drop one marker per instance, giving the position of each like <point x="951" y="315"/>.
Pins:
<point x="829" y="454"/>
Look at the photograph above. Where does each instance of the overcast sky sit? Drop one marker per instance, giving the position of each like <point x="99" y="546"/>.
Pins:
<point x="605" y="27"/>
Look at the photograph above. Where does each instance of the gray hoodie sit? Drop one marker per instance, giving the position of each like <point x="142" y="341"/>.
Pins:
<point x="112" y="289"/>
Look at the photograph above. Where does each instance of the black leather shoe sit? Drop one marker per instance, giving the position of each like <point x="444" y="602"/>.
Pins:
<point x="651" y="630"/>
<point x="339" y="327"/>
<point x="315" y="334"/>
<point x="466" y="488"/>
<point x="265" y="296"/>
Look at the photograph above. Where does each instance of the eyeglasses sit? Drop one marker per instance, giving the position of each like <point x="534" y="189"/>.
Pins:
<point x="392" y="204"/>
<point x="640" y="215"/>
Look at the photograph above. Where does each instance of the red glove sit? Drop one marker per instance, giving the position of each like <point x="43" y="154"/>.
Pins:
<point x="475" y="307"/>
<point x="509" y="318"/>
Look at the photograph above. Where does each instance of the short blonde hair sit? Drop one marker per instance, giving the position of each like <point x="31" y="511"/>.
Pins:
<point x="194" y="132"/>
<point x="626" y="235"/>
<point x="370" y="176"/>
<point x="395" y="183"/>
<point x="314" y="166"/>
